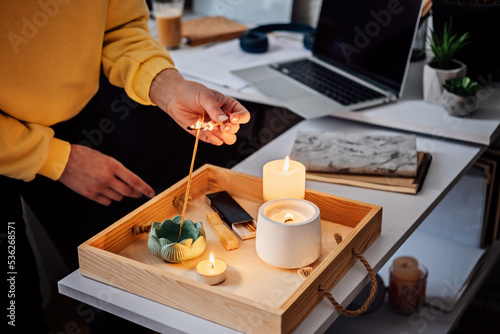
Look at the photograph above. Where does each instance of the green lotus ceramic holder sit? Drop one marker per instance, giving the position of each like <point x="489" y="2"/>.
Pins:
<point x="164" y="241"/>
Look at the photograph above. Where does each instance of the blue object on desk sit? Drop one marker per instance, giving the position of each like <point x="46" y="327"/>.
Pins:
<point x="255" y="40"/>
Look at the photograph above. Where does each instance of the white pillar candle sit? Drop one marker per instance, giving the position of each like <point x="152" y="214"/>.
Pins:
<point x="283" y="179"/>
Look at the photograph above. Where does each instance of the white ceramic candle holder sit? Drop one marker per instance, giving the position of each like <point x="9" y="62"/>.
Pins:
<point x="292" y="244"/>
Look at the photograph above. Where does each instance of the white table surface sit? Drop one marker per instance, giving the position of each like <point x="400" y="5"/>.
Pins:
<point x="402" y="214"/>
<point x="411" y="113"/>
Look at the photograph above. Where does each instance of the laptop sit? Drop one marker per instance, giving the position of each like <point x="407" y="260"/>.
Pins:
<point x="360" y="59"/>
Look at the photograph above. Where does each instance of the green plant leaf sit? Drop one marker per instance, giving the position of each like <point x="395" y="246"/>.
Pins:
<point x="461" y="86"/>
<point x="444" y="44"/>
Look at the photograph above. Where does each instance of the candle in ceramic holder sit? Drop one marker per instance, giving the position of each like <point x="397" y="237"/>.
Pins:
<point x="407" y="282"/>
<point x="283" y="179"/>
<point x="288" y="217"/>
<point x="211" y="271"/>
<point x="288" y="233"/>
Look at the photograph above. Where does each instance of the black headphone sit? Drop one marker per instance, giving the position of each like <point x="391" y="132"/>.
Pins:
<point x="255" y="40"/>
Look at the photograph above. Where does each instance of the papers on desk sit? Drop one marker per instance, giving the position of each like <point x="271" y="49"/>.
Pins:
<point x="206" y="64"/>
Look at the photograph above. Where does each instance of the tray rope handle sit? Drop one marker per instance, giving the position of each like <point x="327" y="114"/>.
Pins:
<point x="306" y="271"/>
<point x="141" y="228"/>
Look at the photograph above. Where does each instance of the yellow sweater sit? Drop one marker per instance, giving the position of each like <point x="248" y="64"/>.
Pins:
<point x="50" y="57"/>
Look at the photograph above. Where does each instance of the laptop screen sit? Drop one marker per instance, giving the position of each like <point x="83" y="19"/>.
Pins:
<point x="370" y="38"/>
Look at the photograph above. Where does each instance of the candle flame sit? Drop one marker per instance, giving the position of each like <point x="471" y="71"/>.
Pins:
<point x="288" y="218"/>
<point x="286" y="165"/>
<point x="212" y="261"/>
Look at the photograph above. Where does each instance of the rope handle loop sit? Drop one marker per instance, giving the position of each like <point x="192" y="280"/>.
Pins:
<point x="306" y="271"/>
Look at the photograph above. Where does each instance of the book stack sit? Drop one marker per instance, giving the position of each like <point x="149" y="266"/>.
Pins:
<point x="390" y="163"/>
<point x="489" y="164"/>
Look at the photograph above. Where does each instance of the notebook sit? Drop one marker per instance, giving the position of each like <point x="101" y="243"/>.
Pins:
<point x="390" y="163"/>
<point x="356" y="153"/>
<point x="405" y="185"/>
<point x="360" y="58"/>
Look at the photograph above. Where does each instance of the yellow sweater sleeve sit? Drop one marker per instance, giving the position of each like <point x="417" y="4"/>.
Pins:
<point x="27" y="149"/>
<point x="131" y="57"/>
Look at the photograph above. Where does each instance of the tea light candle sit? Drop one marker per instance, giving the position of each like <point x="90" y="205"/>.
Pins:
<point x="288" y="233"/>
<point x="211" y="271"/>
<point x="283" y="178"/>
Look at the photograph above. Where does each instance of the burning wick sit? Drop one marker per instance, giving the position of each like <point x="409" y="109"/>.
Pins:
<point x="206" y="126"/>
<point x="288" y="218"/>
<point x="286" y="165"/>
<point x="212" y="261"/>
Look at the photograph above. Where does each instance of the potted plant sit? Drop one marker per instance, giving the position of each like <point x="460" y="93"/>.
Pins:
<point x="444" y="45"/>
<point x="481" y="19"/>
<point x="459" y="96"/>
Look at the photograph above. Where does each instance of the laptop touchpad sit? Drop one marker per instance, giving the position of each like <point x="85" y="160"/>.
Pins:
<point x="283" y="89"/>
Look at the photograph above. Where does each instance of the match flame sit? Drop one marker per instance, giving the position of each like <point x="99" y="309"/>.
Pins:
<point x="212" y="261"/>
<point x="208" y="126"/>
<point x="286" y="165"/>
<point x="288" y="218"/>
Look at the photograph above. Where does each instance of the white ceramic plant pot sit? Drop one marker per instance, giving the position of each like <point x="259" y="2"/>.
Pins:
<point x="434" y="79"/>
<point x="288" y="245"/>
<point x="460" y="106"/>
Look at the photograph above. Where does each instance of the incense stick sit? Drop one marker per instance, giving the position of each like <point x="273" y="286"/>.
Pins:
<point x="188" y="187"/>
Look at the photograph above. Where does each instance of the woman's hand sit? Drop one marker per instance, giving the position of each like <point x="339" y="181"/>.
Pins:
<point x="100" y="177"/>
<point x="188" y="102"/>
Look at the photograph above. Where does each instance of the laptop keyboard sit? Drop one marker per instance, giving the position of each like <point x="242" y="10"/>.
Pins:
<point x="326" y="82"/>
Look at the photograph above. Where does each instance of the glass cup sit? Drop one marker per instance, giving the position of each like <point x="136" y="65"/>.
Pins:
<point x="407" y="296"/>
<point x="168" y="16"/>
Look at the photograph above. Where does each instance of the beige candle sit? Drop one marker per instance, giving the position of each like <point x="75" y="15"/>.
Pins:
<point x="406" y="268"/>
<point x="284" y="179"/>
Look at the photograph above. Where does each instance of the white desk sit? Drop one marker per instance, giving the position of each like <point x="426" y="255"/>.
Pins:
<point x="402" y="214"/>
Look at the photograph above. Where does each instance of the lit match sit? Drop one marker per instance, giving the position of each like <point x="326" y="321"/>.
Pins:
<point x="207" y="126"/>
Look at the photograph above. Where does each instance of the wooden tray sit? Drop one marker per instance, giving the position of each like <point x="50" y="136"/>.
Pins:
<point x="256" y="297"/>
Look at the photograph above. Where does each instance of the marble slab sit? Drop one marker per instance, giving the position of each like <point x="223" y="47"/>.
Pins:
<point x="352" y="153"/>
